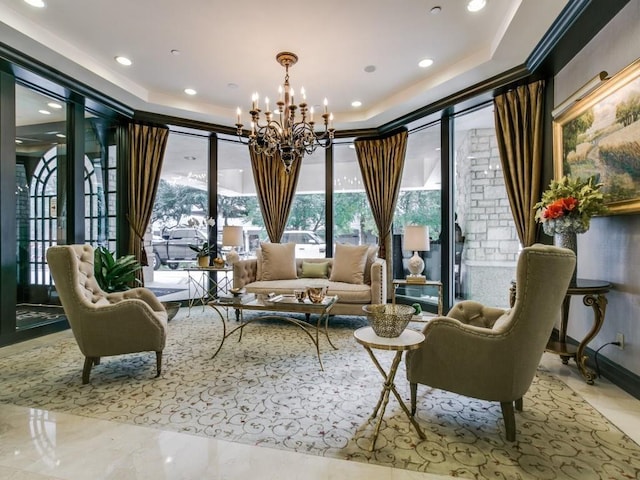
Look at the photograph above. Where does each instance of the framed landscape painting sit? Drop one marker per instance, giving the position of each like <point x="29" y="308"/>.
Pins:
<point x="600" y="136"/>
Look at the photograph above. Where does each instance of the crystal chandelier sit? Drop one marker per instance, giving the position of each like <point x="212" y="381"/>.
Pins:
<point x="279" y="130"/>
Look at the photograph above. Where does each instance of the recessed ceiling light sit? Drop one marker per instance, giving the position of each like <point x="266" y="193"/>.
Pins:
<point x="54" y="105"/>
<point x="476" y="5"/>
<point x="123" y="61"/>
<point x="436" y="10"/>
<point x="232" y="85"/>
<point x="427" y="62"/>
<point x="61" y="135"/>
<point x="370" y="68"/>
<point x="18" y="141"/>
<point x="356" y="103"/>
<point x="45" y="112"/>
<point x="35" y="3"/>
<point x="190" y="91"/>
<point x="175" y="52"/>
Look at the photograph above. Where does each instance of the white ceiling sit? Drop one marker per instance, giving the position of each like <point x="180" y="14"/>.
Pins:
<point x="232" y="42"/>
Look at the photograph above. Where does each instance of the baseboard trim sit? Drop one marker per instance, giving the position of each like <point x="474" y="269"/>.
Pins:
<point x="616" y="374"/>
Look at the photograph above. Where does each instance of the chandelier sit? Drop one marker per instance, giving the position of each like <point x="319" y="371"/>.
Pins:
<point x="279" y="131"/>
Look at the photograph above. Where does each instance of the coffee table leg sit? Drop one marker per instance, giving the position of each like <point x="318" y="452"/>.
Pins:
<point x="224" y="332"/>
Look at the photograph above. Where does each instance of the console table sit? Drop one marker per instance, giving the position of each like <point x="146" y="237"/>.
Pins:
<point x="593" y="294"/>
<point x="204" y="284"/>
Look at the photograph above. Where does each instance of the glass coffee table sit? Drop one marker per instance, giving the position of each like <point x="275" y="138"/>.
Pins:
<point x="277" y="308"/>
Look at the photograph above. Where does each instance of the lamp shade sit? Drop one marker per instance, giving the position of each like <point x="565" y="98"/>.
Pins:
<point x="232" y="236"/>
<point x="416" y="238"/>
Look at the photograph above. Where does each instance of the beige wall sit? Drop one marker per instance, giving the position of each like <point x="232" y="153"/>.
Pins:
<point x="610" y="250"/>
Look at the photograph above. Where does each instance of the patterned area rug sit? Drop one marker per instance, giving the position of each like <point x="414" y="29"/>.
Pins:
<point x="28" y="315"/>
<point x="268" y="390"/>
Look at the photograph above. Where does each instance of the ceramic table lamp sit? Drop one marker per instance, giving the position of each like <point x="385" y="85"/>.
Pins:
<point x="416" y="238"/>
<point x="232" y="236"/>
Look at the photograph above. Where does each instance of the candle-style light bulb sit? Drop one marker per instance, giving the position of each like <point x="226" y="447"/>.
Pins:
<point x="304" y="94"/>
<point x="238" y="112"/>
<point x="266" y="103"/>
<point x="331" y="120"/>
<point x="291" y="102"/>
<point x="326" y="103"/>
<point x="311" y="114"/>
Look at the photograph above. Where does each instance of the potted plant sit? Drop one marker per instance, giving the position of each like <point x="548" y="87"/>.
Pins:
<point x="203" y="252"/>
<point x="115" y="274"/>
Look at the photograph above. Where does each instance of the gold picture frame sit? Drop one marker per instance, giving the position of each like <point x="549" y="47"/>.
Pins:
<point x="600" y="135"/>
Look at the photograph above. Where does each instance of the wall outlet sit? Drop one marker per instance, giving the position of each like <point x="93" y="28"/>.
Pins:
<point x="620" y="339"/>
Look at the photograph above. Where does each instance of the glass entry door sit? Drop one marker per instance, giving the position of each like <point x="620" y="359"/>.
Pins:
<point x="41" y="199"/>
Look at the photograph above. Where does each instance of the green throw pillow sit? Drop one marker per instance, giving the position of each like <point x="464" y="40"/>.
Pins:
<point x="315" y="270"/>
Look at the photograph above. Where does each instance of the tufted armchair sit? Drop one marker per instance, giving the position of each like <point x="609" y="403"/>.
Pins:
<point x="105" y="324"/>
<point x="490" y="353"/>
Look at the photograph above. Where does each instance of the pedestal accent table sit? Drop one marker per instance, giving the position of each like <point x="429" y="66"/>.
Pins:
<point x="593" y="295"/>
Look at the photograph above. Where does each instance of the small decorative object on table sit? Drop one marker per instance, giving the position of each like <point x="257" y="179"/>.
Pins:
<point x="237" y="291"/>
<point x="566" y="209"/>
<point x="389" y="320"/>
<point x="300" y="294"/>
<point x="317" y="294"/>
<point x="171" y="308"/>
<point x="218" y="262"/>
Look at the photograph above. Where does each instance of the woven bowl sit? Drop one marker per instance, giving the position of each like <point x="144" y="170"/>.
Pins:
<point x="172" y="309"/>
<point x="388" y="320"/>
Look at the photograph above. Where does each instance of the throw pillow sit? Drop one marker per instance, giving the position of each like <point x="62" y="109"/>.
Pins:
<point x="315" y="269"/>
<point x="259" y="264"/>
<point x="348" y="263"/>
<point x="278" y="261"/>
<point x="372" y="255"/>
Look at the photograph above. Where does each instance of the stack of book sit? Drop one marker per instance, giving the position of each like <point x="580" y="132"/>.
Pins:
<point x="236" y="299"/>
<point x="416" y="279"/>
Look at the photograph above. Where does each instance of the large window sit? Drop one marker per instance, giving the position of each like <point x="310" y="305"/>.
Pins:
<point x="353" y="220"/>
<point x="419" y="203"/>
<point x="488" y="245"/>
<point x="180" y="211"/>
<point x="306" y="223"/>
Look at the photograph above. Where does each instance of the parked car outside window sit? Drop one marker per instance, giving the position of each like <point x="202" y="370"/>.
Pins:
<point x="308" y="244"/>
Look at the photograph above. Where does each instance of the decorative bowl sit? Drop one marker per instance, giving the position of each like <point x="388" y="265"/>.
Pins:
<point x="317" y="294"/>
<point x="388" y="320"/>
<point x="172" y="309"/>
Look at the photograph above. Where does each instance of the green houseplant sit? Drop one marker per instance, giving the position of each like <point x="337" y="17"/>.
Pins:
<point x="115" y="274"/>
<point x="203" y="252"/>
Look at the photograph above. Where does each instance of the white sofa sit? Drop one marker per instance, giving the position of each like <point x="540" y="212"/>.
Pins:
<point x="351" y="296"/>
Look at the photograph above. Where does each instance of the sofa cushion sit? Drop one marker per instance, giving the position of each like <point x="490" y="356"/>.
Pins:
<point x="315" y="270"/>
<point x="258" y="263"/>
<point x="346" y="292"/>
<point x="278" y="261"/>
<point x="372" y="254"/>
<point x="348" y="263"/>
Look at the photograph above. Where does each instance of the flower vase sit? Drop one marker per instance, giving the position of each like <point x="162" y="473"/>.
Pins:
<point x="568" y="239"/>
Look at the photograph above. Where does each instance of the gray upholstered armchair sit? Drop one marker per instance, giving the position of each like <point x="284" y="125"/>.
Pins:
<point x="490" y="353"/>
<point x="105" y="324"/>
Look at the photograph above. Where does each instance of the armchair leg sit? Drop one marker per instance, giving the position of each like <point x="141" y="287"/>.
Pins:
<point x="414" y="395"/>
<point x="158" y="363"/>
<point x="509" y="420"/>
<point x="519" y="404"/>
<point x="86" y="371"/>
